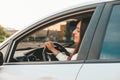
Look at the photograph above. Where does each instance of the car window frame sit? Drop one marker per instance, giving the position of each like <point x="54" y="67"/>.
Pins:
<point x="41" y="23"/>
<point x="98" y="39"/>
<point x="89" y="35"/>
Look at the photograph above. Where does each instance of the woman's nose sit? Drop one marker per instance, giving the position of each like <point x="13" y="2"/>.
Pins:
<point x="73" y="32"/>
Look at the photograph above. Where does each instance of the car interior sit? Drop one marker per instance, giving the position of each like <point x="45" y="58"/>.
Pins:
<point x="31" y="47"/>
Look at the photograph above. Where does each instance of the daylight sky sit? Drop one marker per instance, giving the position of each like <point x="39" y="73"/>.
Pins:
<point x="19" y="14"/>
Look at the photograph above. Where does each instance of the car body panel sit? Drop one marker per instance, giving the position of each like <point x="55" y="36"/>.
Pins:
<point x="39" y="72"/>
<point x="100" y="71"/>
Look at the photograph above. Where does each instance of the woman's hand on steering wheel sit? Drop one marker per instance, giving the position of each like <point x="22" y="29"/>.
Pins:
<point x="54" y="48"/>
<point x="50" y="45"/>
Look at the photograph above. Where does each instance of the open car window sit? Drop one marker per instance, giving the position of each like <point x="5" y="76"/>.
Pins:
<point x="31" y="47"/>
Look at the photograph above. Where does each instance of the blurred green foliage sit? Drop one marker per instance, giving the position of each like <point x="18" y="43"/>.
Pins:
<point x="3" y="34"/>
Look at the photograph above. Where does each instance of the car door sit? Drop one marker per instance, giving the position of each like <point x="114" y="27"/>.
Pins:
<point x="18" y="67"/>
<point x="103" y="61"/>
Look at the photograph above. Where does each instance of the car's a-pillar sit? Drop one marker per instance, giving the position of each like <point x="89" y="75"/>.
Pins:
<point x="1" y="58"/>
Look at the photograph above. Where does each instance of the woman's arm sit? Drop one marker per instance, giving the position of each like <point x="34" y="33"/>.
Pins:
<point x="59" y="55"/>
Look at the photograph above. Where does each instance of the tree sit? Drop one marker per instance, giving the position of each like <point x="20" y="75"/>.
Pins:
<point x="3" y="33"/>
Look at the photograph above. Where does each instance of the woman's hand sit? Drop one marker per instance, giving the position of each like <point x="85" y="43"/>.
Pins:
<point x="50" y="46"/>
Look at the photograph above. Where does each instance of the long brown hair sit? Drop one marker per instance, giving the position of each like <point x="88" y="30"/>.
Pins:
<point x="84" y="24"/>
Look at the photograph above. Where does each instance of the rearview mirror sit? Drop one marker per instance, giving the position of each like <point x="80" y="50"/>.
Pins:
<point x="1" y="58"/>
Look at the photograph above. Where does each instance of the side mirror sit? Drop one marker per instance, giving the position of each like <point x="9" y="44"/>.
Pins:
<point x="1" y="58"/>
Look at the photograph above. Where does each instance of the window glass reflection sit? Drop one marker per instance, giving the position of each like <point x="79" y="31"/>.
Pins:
<point x="111" y="44"/>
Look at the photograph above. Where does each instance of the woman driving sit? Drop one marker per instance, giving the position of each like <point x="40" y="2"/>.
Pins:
<point x="77" y="38"/>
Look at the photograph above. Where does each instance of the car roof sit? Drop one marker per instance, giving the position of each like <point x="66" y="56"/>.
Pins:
<point x="55" y="12"/>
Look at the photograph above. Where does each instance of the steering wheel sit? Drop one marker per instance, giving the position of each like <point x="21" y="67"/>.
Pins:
<point x="49" y="56"/>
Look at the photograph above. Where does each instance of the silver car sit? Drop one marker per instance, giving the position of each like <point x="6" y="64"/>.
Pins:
<point x="24" y="57"/>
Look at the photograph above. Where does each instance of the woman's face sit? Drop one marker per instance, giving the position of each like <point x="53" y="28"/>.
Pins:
<point x="76" y="33"/>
